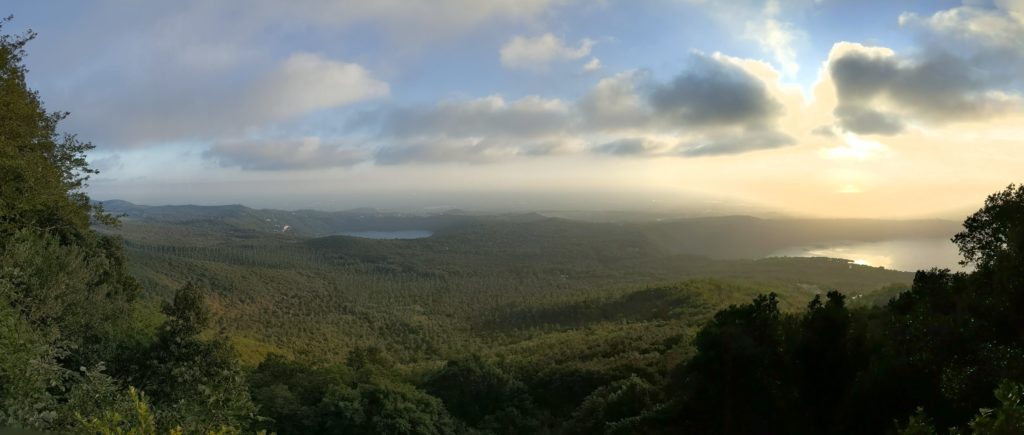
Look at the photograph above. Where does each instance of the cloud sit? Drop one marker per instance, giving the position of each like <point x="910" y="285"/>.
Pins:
<point x="713" y="92"/>
<point x="111" y="162"/>
<point x="593" y="64"/>
<point x="407" y="20"/>
<point x="864" y="120"/>
<point x="469" y="150"/>
<point x="775" y="37"/>
<point x="997" y="28"/>
<point x="878" y="90"/>
<point x="299" y="84"/>
<point x="477" y="130"/>
<point x="762" y="22"/>
<point x="617" y="102"/>
<point x="530" y="116"/>
<point x="965" y="68"/>
<point x="716" y="144"/>
<point x="305" y="82"/>
<point x="713" y="107"/>
<point x="635" y="146"/>
<point x="299" y="153"/>
<point x="538" y="53"/>
<point x="171" y="73"/>
<point x="736" y="143"/>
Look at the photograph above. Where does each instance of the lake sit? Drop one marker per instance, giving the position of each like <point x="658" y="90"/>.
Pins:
<point x="400" y="234"/>
<point x="908" y="255"/>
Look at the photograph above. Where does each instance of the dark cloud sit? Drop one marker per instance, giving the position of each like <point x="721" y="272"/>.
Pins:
<point x="708" y="145"/>
<point x="475" y="131"/>
<point x="824" y="130"/>
<point x="880" y="91"/>
<point x="463" y="151"/>
<point x="714" y="107"/>
<point x="736" y="143"/>
<point x="713" y="92"/>
<point x="301" y="153"/>
<point x="490" y="117"/>
<point x="627" y="147"/>
<point x="863" y="120"/>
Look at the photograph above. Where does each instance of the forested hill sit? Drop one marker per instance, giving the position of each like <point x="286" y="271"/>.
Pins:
<point x="724" y="237"/>
<point x="465" y="283"/>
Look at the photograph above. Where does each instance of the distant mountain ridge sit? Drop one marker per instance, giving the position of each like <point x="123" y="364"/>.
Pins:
<point x="303" y="223"/>
<point x="721" y="237"/>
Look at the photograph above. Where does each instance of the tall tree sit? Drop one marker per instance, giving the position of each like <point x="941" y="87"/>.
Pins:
<point x="65" y="293"/>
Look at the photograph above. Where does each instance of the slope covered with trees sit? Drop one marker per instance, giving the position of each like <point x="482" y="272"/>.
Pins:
<point x="503" y="335"/>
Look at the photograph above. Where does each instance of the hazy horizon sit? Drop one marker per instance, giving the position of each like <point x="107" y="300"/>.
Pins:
<point x="605" y="207"/>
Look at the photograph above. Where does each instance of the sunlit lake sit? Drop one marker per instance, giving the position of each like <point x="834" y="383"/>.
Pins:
<point x="401" y="234"/>
<point x="909" y="255"/>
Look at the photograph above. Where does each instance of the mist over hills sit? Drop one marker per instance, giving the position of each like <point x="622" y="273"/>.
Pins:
<point x="721" y="237"/>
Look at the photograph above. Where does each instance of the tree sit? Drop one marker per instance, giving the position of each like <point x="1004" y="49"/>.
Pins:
<point x="473" y="390"/>
<point x="738" y="380"/>
<point x="291" y="394"/>
<point x="196" y="383"/>
<point x="66" y="293"/>
<point x="614" y="408"/>
<point x="996" y="230"/>
<point x="824" y="361"/>
<point x="42" y="172"/>
<point x="382" y="406"/>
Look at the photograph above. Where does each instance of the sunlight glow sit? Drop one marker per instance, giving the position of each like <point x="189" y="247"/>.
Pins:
<point x="850" y="189"/>
<point x="856" y="148"/>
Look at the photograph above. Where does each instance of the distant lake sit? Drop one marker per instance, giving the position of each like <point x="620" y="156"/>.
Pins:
<point x="402" y="234"/>
<point x="909" y="255"/>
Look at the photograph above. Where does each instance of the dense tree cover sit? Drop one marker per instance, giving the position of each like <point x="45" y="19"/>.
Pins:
<point x="428" y="298"/>
<point x="942" y="347"/>
<point x="71" y="336"/>
<point x="456" y="344"/>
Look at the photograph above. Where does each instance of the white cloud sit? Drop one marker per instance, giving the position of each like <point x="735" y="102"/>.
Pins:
<point x="855" y="147"/>
<point x="617" y="102"/>
<point x="999" y="27"/>
<point x="298" y="153"/>
<point x="763" y="23"/>
<point x="413" y="21"/>
<point x="776" y="38"/>
<point x="718" y="105"/>
<point x="538" y="53"/>
<point x="593" y="64"/>
<point x="306" y="82"/>
<point x="159" y="109"/>
<point x="478" y="130"/>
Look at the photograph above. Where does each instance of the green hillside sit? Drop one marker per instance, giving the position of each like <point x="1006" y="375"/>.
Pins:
<point x="478" y="281"/>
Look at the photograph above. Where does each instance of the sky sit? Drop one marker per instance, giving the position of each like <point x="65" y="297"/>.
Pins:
<point x="832" y="108"/>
